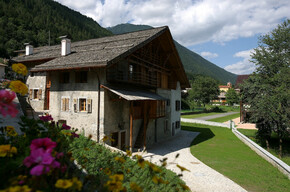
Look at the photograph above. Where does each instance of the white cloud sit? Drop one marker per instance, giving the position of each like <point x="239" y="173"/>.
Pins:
<point x="209" y="55"/>
<point x="191" y="22"/>
<point x="244" y="66"/>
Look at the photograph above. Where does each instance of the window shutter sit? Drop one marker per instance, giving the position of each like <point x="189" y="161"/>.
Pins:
<point x="39" y="93"/>
<point x="89" y="101"/>
<point x="75" y="106"/>
<point x="67" y="104"/>
<point x="30" y="93"/>
<point x="63" y="104"/>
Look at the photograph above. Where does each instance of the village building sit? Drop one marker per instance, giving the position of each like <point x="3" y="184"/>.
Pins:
<point x="221" y="98"/>
<point x="125" y="86"/>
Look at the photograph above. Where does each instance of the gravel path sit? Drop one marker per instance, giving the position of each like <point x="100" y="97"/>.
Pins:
<point x="216" y="116"/>
<point x="201" y="178"/>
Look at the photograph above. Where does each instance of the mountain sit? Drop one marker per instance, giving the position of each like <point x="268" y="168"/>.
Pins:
<point x="193" y="63"/>
<point x="31" y="21"/>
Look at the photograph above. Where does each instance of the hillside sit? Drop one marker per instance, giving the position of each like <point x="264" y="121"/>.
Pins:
<point x="193" y="63"/>
<point x="23" y="21"/>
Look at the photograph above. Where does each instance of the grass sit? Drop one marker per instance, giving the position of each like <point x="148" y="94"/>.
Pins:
<point x="222" y="107"/>
<point x="274" y="144"/>
<point x="220" y="149"/>
<point x="199" y="115"/>
<point x="225" y="118"/>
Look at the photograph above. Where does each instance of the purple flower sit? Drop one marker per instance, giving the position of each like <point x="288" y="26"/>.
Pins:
<point x="66" y="127"/>
<point x="7" y="107"/>
<point x="73" y="134"/>
<point x="44" y="143"/>
<point x="46" y="118"/>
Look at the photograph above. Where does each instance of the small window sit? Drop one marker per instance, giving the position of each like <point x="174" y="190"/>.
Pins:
<point x="177" y="107"/>
<point x="81" y="77"/>
<point x="35" y="93"/>
<point x="114" y="140"/>
<point x="168" y="102"/>
<point x="64" y="77"/>
<point x="82" y="105"/>
<point x="65" y="104"/>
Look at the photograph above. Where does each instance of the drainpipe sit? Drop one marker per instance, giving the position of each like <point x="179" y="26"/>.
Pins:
<point x="99" y="101"/>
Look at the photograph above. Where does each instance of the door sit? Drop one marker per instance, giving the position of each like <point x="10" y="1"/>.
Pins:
<point x="47" y="95"/>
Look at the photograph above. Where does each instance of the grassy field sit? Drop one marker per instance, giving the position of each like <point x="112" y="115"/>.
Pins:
<point x="199" y="115"/>
<point x="222" y="107"/>
<point x="274" y="144"/>
<point x="226" y="118"/>
<point x="220" y="149"/>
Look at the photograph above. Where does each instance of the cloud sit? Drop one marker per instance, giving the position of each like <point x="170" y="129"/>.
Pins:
<point x="209" y="55"/>
<point x="244" y="66"/>
<point x="191" y="22"/>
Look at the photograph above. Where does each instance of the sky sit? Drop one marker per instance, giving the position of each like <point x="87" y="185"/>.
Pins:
<point x="224" y="32"/>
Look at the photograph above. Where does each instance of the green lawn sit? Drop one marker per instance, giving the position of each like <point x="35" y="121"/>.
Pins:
<point x="199" y="115"/>
<point x="226" y="118"/>
<point x="274" y="144"/>
<point x="220" y="149"/>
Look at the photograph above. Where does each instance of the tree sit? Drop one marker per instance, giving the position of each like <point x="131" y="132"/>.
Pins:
<point x="232" y="97"/>
<point x="267" y="90"/>
<point x="203" y="89"/>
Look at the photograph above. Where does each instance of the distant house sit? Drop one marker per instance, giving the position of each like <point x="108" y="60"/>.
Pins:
<point x="125" y="86"/>
<point x="223" y="90"/>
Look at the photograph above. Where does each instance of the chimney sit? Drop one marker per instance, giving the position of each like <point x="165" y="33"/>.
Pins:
<point x="65" y="46"/>
<point x="28" y="49"/>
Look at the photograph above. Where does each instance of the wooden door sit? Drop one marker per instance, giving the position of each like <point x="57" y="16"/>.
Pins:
<point x="47" y="98"/>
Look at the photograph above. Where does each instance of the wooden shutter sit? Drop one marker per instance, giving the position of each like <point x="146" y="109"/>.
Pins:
<point x="30" y="93"/>
<point x="75" y="106"/>
<point x="39" y="94"/>
<point x="67" y="104"/>
<point x="89" y="101"/>
<point x="63" y="104"/>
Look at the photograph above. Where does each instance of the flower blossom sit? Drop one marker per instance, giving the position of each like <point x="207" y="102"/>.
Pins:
<point x="7" y="150"/>
<point x="66" y="127"/>
<point x="18" y="87"/>
<point x="7" y="107"/>
<point x="20" y="69"/>
<point x="46" y="118"/>
<point x="10" y="130"/>
<point x="45" y="143"/>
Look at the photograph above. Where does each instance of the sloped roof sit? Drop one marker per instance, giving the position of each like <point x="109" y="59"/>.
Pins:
<point x="133" y="94"/>
<point x="240" y="80"/>
<point x="91" y="53"/>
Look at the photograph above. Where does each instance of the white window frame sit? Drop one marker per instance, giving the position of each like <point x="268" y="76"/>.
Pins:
<point x="87" y="107"/>
<point x="69" y="103"/>
<point x="32" y="95"/>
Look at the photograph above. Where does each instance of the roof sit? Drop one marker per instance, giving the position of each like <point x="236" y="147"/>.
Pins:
<point x="224" y="86"/>
<point x="131" y="94"/>
<point x="2" y="64"/>
<point x="91" y="53"/>
<point x="240" y="80"/>
<point x="102" y="52"/>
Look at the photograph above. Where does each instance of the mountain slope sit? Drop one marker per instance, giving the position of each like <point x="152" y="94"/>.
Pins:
<point x="193" y="63"/>
<point x="31" y="21"/>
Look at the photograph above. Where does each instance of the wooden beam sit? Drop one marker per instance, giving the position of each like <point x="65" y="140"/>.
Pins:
<point x="131" y="126"/>
<point x="145" y="124"/>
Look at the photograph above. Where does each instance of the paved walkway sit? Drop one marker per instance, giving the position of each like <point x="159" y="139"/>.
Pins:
<point x="201" y="178"/>
<point x="216" y="116"/>
<point x="244" y="125"/>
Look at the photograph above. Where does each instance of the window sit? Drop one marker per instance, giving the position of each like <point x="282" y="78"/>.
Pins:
<point x="64" y="77"/>
<point x="81" y="77"/>
<point x="35" y="93"/>
<point x="82" y="105"/>
<point x="65" y="104"/>
<point x="161" y="108"/>
<point x="177" y="105"/>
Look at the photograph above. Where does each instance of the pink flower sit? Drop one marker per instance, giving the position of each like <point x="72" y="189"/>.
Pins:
<point x="42" y="160"/>
<point x="59" y="155"/>
<point x="44" y="143"/>
<point x="6" y="103"/>
<point x="46" y="118"/>
<point x="66" y="127"/>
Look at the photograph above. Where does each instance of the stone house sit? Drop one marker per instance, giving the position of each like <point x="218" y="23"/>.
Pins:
<point x="127" y="86"/>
